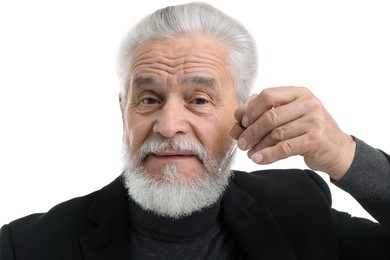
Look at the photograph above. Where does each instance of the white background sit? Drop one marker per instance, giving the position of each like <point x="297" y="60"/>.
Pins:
<point x="60" y="124"/>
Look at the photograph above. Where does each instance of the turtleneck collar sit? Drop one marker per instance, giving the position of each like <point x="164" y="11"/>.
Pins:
<point x="181" y="230"/>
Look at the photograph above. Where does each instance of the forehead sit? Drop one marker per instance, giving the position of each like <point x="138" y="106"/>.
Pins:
<point x="182" y="55"/>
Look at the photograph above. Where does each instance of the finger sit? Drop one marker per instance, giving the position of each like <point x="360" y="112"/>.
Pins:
<point x="281" y="133"/>
<point x="280" y="151"/>
<point x="270" y="98"/>
<point x="270" y="120"/>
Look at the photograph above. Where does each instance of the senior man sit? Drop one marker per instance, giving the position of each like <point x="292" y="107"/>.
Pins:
<point x="187" y="71"/>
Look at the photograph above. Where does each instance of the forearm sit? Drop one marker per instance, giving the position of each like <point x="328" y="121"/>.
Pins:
<point x="368" y="181"/>
<point x="369" y="174"/>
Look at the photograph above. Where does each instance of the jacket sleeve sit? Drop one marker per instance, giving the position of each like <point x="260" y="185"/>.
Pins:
<point x="368" y="181"/>
<point x="360" y="238"/>
<point x="369" y="175"/>
<point x="6" y="247"/>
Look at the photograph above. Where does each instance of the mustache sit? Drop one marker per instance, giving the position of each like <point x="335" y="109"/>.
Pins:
<point x="157" y="143"/>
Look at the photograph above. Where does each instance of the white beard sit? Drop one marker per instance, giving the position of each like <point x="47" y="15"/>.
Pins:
<point x="169" y="196"/>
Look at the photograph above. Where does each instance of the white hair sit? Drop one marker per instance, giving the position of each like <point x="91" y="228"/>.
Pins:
<point x="194" y="18"/>
<point x="170" y="196"/>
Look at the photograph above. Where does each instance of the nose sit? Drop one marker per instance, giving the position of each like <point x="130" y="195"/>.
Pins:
<point x="172" y="119"/>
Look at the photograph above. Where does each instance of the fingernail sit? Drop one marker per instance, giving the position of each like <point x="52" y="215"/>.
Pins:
<point x="242" y="143"/>
<point x="257" y="158"/>
<point x="245" y="121"/>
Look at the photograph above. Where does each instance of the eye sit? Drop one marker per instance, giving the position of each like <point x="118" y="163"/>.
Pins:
<point x="149" y="101"/>
<point x="200" y="101"/>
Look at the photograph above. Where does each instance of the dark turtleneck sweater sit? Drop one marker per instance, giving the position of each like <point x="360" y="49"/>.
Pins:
<point x="201" y="235"/>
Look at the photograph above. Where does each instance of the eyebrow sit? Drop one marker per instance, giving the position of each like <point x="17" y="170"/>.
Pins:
<point x="201" y="80"/>
<point x="209" y="82"/>
<point x="145" y="80"/>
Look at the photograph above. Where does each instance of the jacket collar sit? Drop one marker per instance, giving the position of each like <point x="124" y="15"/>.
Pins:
<point x="254" y="226"/>
<point x="109" y="212"/>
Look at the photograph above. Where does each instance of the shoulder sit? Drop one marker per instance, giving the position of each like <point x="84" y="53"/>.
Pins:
<point x="70" y="210"/>
<point x="55" y="232"/>
<point x="66" y="211"/>
<point x="58" y="229"/>
<point x="64" y="222"/>
<point x="296" y="201"/>
<point x="285" y="184"/>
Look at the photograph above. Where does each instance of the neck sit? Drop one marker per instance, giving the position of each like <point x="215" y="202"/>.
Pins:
<point x="184" y="229"/>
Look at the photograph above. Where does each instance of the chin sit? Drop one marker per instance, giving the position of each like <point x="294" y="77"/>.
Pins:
<point x="175" y="173"/>
<point x="172" y="195"/>
<point x="181" y="186"/>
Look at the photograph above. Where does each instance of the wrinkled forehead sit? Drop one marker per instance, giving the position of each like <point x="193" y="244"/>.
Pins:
<point x="202" y="59"/>
<point x="180" y="48"/>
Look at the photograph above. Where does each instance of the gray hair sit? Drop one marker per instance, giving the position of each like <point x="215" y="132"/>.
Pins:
<point x="194" y="18"/>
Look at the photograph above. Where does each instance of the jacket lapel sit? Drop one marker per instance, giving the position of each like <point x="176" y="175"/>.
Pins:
<point x="254" y="226"/>
<point x="109" y="212"/>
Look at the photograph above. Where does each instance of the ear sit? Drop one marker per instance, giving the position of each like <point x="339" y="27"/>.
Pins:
<point x="121" y="106"/>
<point x="120" y="99"/>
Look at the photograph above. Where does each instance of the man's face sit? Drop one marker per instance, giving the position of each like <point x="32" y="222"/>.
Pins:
<point x="180" y="88"/>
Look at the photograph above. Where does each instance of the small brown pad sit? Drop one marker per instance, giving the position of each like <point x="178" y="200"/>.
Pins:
<point x="236" y="130"/>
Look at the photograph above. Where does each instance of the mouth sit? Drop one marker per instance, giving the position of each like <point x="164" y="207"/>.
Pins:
<point x="173" y="155"/>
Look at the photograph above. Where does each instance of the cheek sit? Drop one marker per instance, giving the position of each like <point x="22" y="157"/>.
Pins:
<point x="223" y="140"/>
<point x="215" y="136"/>
<point x="223" y="144"/>
<point x="137" y="130"/>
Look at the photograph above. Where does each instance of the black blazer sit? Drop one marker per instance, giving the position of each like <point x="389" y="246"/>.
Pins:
<point x="275" y="214"/>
